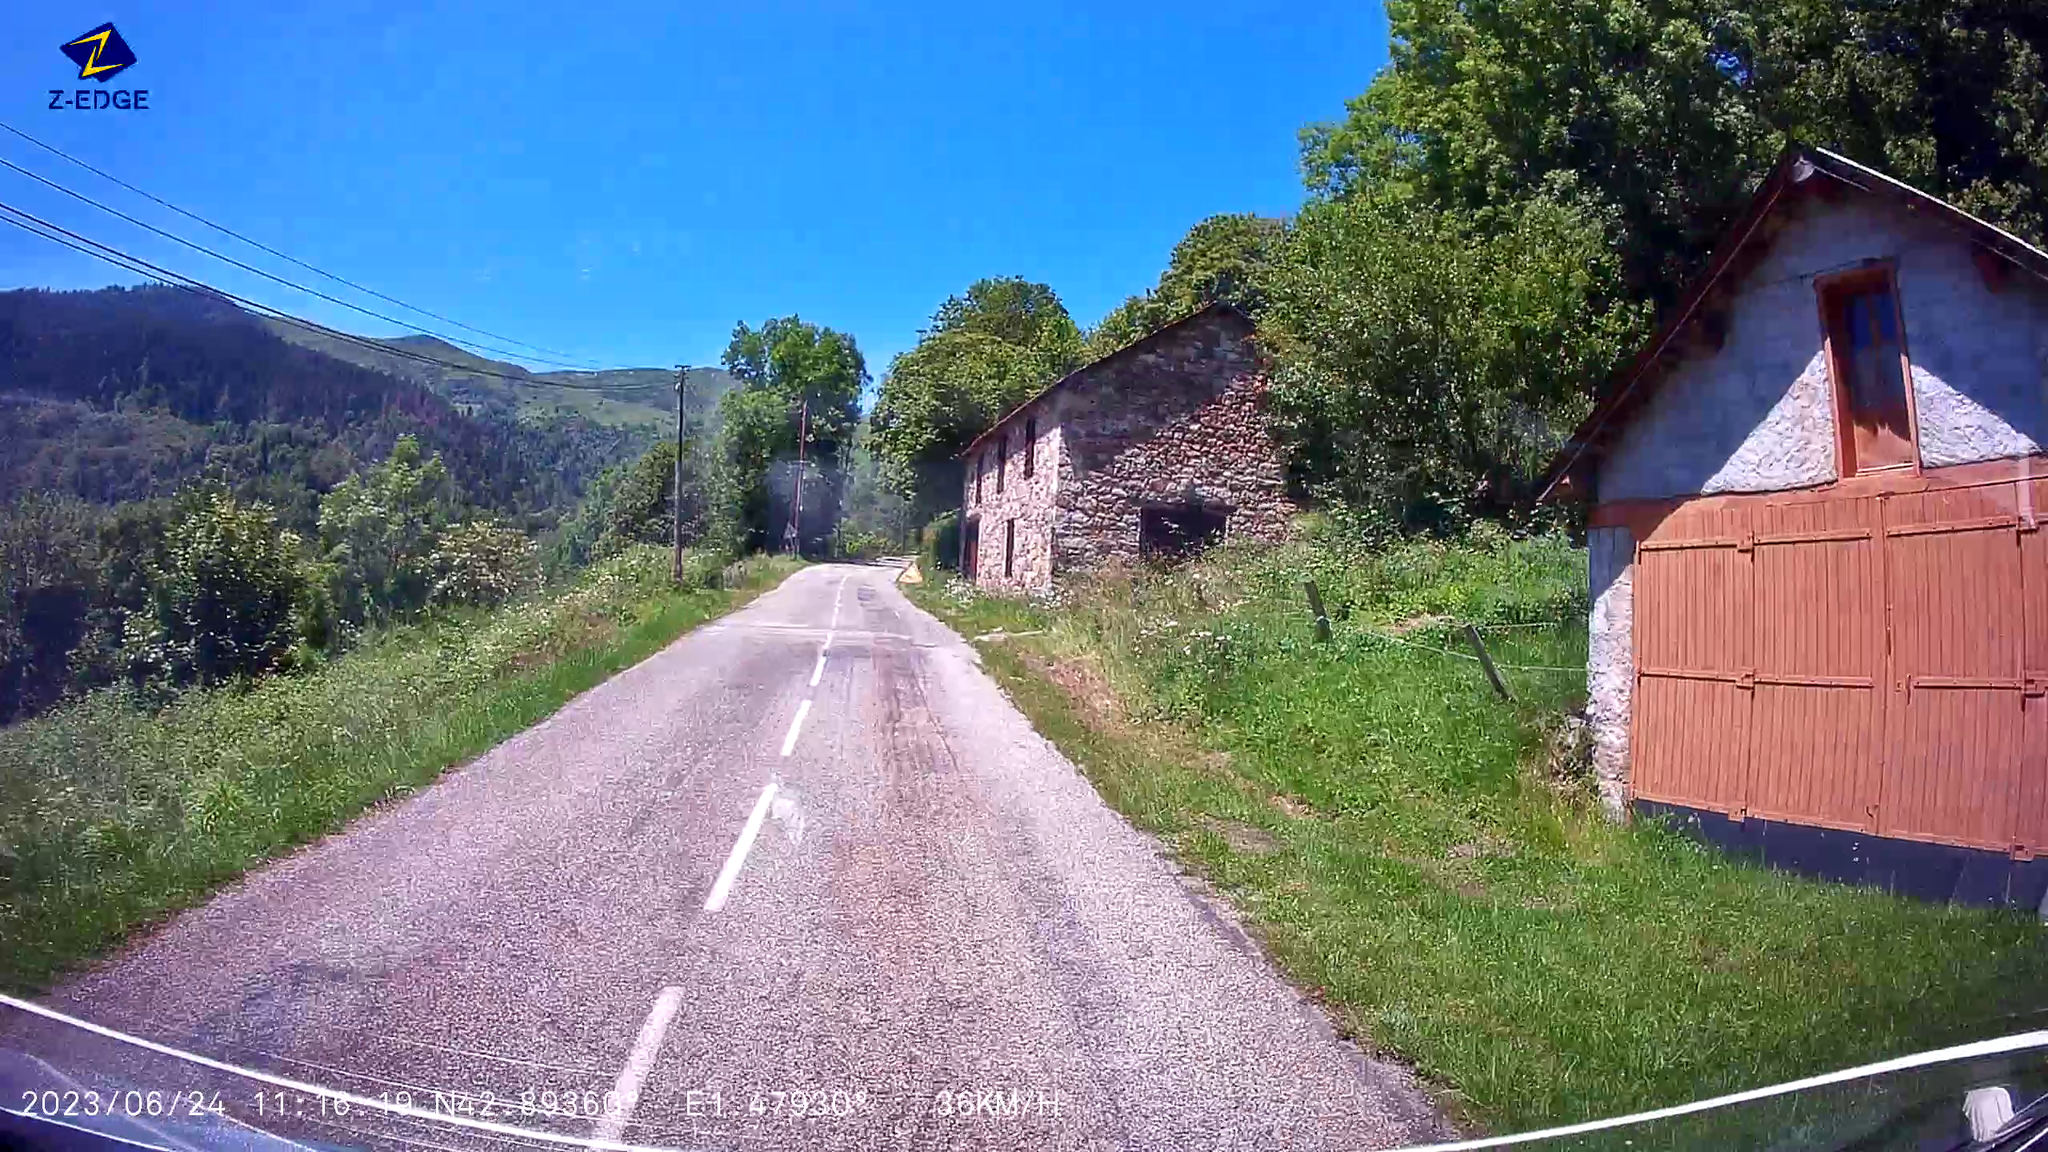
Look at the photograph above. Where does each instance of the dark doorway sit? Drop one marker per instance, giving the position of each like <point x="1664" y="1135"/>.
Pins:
<point x="970" y="554"/>
<point x="1179" y="530"/>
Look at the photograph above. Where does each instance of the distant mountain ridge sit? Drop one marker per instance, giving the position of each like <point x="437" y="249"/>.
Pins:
<point x="125" y="393"/>
<point x="637" y="398"/>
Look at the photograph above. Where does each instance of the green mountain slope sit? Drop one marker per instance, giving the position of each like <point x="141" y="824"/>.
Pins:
<point x="640" y="399"/>
<point x="127" y="394"/>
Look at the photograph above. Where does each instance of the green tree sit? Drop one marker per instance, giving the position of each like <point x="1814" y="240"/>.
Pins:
<point x="378" y="528"/>
<point x="1224" y="258"/>
<point x="797" y="381"/>
<point x="223" y="599"/>
<point x="1425" y="366"/>
<point x="876" y="514"/>
<point x="1665" y="113"/>
<point x="986" y="351"/>
<point x="50" y="564"/>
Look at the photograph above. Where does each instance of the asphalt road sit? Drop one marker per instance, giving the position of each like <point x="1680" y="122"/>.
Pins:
<point x="934" y="935"/>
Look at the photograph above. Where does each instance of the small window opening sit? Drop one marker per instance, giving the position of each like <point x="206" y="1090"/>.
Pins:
<point x="1009" y="547"/>
<point x="1002" y="460"/>
<point x="1867" y="355"/>
<point x="980" y="469"/>
<point x="1030" y="446"/>
<point x="1179" y="530"/>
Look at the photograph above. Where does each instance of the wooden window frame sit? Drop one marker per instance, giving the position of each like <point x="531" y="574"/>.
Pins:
<point x="1010" y="548"/>
<point x="1881" y="272"/>
<point x="1030" y="446"/>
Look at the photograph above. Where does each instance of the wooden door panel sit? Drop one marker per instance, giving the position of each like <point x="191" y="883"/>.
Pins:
<point x="1691" y="742"/>
<point x="1956" y="780"/>
<point x="2030" y="807"/>
<point x="2034" y="577"/>
<point x="1695" y="604"/>
<point x="1955" y="602"/>
<point x="1820" y="591"/>
<point x="1814" y="754"/>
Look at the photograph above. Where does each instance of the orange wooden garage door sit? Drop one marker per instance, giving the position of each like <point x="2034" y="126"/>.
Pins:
<point x="1870" y="664"/>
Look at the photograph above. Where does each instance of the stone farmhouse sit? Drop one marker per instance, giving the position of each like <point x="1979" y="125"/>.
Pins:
<point x="1819" y="579"/>
<point x="1149" y="452"/>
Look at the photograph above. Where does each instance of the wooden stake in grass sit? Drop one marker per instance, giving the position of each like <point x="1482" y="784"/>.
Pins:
<point x="1486" y="662"/>
<point x="1315" y="606"/>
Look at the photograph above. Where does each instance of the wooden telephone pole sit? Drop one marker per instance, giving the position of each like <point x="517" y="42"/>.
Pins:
<point x="676" y="493"/>
<point x="794" y="537"/>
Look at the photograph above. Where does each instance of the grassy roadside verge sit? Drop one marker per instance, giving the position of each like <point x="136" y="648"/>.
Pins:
<point x="110" y="818"/>
<point x="1416" y="855"/>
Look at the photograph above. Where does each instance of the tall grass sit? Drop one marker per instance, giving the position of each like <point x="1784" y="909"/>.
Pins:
<point x="110" y="817"/>
<point x="1416" y="854"/>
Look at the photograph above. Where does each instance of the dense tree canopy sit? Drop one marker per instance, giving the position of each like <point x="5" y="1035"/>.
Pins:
<point x="1666" y="112"/>
<point x="986" y="351"/>
<point x="1424" y="364"/>
<point x="1499" y="216"/>
<point x="1224" y="258"/>
<point x="797" y="380"/>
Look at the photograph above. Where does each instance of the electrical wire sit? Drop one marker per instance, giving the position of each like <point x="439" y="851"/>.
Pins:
<point x="136" y="264"/>
<point x="250" y="268"/>
<point x="227" y="231"/>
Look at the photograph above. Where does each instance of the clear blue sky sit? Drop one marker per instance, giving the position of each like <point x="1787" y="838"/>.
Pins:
<point x="626" y="182"/>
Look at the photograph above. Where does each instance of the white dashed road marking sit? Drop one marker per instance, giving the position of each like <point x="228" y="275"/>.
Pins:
<point x="722" y="887"/>
<point x="625" y="1094"/>
<point x="796" y="725"/>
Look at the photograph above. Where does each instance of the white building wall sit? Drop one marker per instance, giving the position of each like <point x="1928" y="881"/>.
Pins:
<point x="1758" y="416"/>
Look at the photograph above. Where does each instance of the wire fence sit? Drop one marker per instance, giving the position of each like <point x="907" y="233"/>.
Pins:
<point x="1447" y="650"/>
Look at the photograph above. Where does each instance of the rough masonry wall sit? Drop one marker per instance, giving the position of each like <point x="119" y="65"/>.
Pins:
<point x="1610" y="661"/>
<point x="1758" y="416"/>
<point x="1179" y="422"/>
<point x="1026" y="499"/>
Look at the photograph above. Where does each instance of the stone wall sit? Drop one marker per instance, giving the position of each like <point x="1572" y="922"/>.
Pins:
<point x="1028" y="500"/>
<point x="1758" y="415"/>
<point x="1610" y="661"/>
<point x="1177" y="418"/>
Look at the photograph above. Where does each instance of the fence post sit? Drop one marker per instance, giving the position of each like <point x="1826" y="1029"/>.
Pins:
<point x="1486" y="662"/>
<point x="1315" y="605"/>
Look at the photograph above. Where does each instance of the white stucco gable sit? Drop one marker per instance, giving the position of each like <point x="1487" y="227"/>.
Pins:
<point x="1757" y="415"/>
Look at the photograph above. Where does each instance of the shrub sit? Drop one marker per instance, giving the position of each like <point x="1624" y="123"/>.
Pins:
<point x="223" y="599"/>
<point x="482" y="563"/>
<point x="939" y="543"/>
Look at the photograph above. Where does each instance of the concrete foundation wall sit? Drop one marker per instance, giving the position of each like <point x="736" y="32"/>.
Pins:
<point x="1758" y="415"/>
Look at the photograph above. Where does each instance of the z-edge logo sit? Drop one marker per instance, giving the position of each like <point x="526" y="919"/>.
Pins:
<point x="100" y="54"/>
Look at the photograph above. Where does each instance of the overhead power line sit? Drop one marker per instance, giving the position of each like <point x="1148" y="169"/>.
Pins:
<point x="37" y="226"/>
<point x="258" y="244"/>
<point x="293" y="284"/>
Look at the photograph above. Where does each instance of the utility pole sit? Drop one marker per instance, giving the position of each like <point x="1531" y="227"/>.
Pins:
<point x="676" y="493"/>
<point x="794" y="537"/>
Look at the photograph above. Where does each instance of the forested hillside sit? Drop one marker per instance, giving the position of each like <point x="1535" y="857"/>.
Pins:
<point x="192" y="498"/>
<point x="128" y="393"/>
<point x="637" y="404"/>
